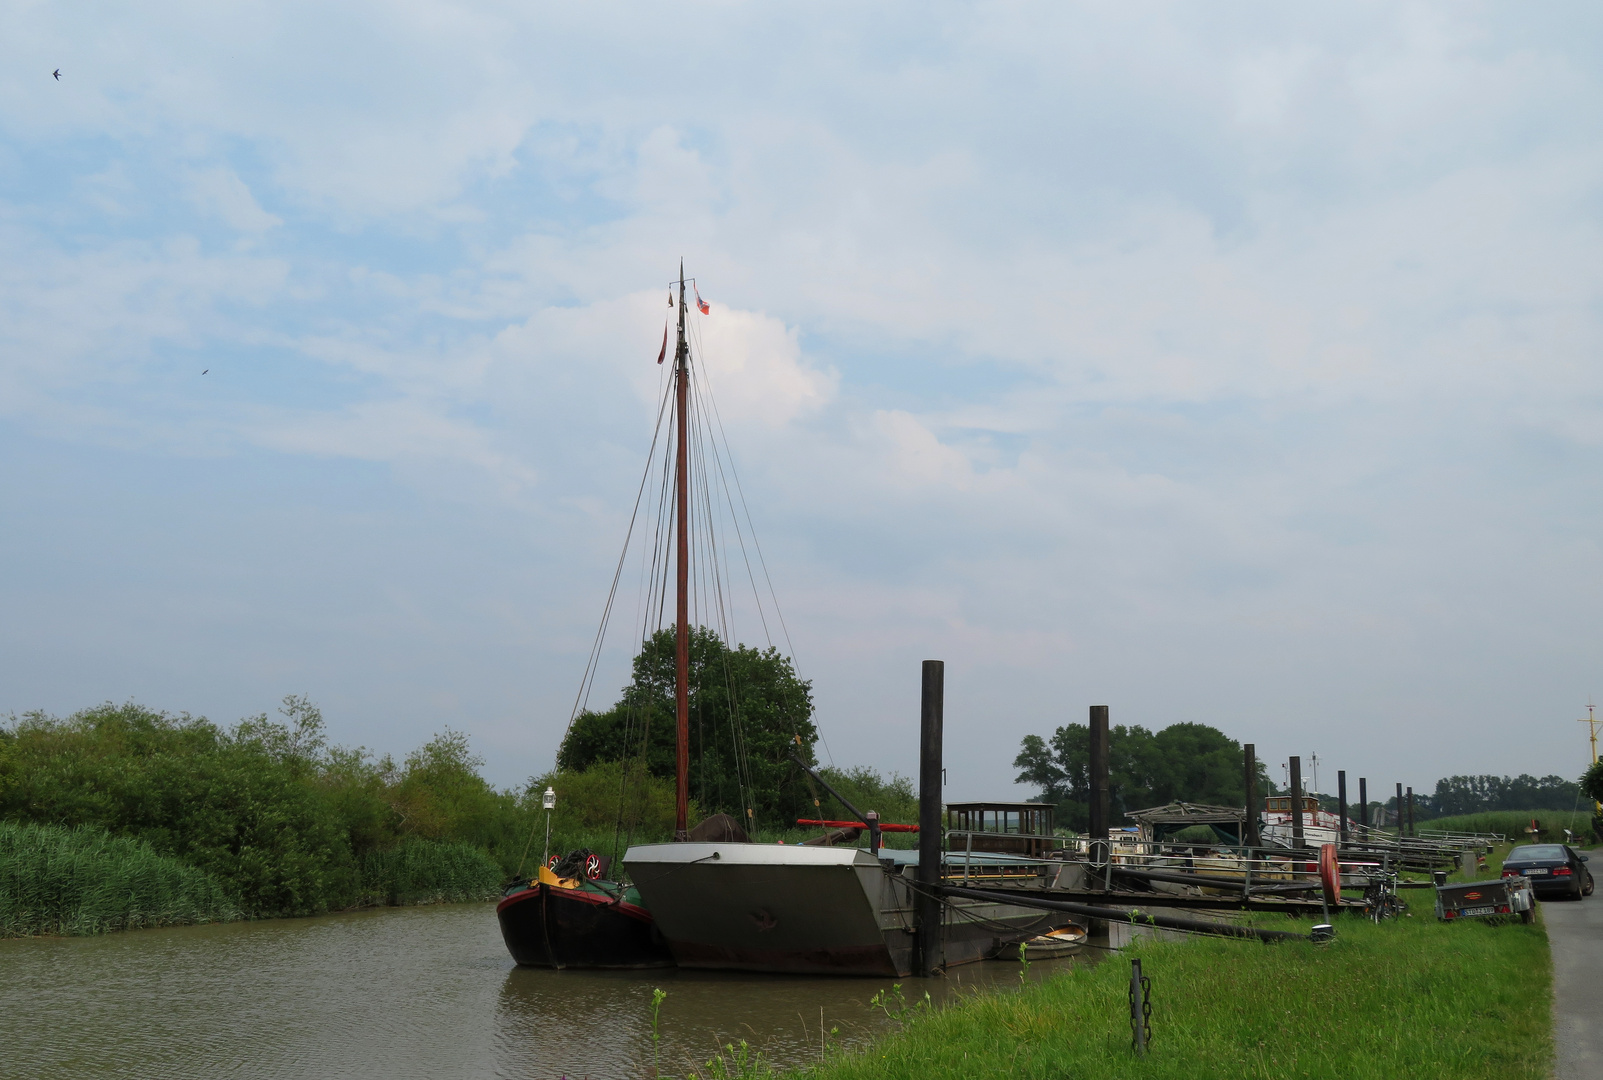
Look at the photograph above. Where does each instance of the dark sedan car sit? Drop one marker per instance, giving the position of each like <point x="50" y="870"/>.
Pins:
<point x="1554" y="869"/>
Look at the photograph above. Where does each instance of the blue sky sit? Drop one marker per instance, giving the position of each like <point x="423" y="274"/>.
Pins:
<point x="1232" y="364"/>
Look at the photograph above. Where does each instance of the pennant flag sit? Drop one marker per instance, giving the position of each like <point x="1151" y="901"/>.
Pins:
<point x="702" y="304"/>
<point x="664" y="351"/>
<point x="670" y="298"/>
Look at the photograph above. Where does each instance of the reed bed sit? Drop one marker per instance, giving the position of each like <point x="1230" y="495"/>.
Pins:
<point x="1409" y="997"/>
<point x="430" y="872"/>
<point x="56" y="880"/>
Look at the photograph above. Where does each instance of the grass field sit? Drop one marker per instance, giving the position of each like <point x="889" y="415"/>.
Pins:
<point x="1513" y="823"/>
<point x="1410" y="997"/>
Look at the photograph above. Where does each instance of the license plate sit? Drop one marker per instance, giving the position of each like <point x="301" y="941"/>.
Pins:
<point x="1477" y="911"/>
<point x="1533" y="873"/>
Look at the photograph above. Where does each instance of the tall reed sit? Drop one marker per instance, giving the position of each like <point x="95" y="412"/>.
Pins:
<point x="430" y="872"/>
<point x="56" y="880"/>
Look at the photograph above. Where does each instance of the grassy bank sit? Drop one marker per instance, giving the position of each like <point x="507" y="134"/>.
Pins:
<point x="1513" y="823"/>
<point x="84" y="881"/>
<point x="1407" y="998"/>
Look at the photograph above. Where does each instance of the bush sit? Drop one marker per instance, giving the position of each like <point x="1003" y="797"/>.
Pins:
<point x="289" y="825"/>
<point x="56" y="880"/>
<point x="893" y="798"/>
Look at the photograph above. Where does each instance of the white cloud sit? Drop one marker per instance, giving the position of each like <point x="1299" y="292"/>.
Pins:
<point x="1212" y="354"/>
<point x="220" y="191"/>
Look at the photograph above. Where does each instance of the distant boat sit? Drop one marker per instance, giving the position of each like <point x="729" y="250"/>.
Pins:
<point x="1319" y="826"/>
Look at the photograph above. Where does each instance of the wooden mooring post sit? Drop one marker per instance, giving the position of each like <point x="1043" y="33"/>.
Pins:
<point x="1341" y="798"/>
<point x="1399" y="811"/>
<point x="1363" y="800"/>
<point x="1296" y="802"/>
<point x="1411" y="831"/>
<point x="1249" y="829"/>
<point x="1099" y="773"/>
<point x="927" y="898"/>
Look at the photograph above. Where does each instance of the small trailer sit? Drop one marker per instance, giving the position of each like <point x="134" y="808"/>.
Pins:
<point x="1508" y="896"/>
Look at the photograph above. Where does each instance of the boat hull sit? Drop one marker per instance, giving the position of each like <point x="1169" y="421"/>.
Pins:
<point x="803" y="910"/>
<point x="553" y="927"/>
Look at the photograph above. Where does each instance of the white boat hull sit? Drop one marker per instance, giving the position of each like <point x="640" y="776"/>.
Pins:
<point x="803" y="910"/>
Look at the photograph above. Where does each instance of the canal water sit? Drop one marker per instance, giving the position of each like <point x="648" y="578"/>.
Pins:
<point x="393" y="994"/>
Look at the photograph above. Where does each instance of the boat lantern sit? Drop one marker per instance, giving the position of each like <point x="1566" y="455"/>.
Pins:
<point x="550" y="799"/>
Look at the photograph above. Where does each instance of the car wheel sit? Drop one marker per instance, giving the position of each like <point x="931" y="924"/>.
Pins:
<point x="1586" y="890"/>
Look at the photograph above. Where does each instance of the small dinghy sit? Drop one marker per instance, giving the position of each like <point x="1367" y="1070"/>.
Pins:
<point x="1064" y="941"/>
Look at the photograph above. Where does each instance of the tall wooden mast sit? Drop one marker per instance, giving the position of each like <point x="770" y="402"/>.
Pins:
<point x="681" y="683"/>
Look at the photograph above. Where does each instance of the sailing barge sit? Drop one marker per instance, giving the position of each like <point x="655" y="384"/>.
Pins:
<point x="729" y="904"/>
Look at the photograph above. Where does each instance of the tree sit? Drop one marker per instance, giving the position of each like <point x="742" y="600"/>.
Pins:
<point x="747" y="708"/>
<point x="1474" y="794"/>
<point x="1182" y="763"/>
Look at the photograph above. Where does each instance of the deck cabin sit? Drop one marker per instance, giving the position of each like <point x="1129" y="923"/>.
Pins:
<point x="1011" y="828"/>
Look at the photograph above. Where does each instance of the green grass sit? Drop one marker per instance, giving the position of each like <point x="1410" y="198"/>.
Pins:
<point x="1411" y="997"/>
<point x="1512" y="824"/>
<point x="430" y="872"/>
<point x="55" y="880"/>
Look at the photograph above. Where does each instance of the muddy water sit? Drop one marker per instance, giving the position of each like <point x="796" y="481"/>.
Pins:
<point x="400" y="993"/>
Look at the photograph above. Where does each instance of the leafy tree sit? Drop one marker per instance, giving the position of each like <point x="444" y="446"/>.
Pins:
<point x="1592" y="782"/>
<point x="747" y="708"/>
<point x="1182" y="763"/>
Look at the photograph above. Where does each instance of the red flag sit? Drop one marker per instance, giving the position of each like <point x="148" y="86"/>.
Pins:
<point x="664" y="351"/>
<point x="702" y="304"/>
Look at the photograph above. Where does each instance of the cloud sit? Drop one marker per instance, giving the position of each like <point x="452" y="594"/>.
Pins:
<point x="1236" y="367"/>
<point x="218" y="190"/>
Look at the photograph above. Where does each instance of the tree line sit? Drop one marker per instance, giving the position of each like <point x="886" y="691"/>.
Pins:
<point x="1196" y="763"/>
<point x="1182" y="763"/>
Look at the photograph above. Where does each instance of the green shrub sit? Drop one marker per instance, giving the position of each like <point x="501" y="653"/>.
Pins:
<point x="56" y="880"/>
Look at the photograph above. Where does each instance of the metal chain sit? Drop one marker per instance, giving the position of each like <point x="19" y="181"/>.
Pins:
<point x="1146" y="1012"/>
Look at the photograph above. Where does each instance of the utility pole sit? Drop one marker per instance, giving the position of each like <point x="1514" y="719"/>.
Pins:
<point x="1591" y="721"/>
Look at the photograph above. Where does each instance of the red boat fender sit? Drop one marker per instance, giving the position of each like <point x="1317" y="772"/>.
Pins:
<point x="1330" y="874"/>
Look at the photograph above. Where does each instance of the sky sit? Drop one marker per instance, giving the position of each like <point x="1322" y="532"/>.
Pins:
<point x="1234" y="364"/>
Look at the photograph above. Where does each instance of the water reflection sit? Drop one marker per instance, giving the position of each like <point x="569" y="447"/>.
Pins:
<point x="420" y="992"/>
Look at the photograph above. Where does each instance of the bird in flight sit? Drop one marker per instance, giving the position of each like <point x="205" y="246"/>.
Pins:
<point x="204" y="372"/>
<point x="57" y="74"/>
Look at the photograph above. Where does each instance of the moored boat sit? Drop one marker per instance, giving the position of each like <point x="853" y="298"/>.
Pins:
<point x="579" y="923"/>
<point x="804" y="910"/>
<point x="1319" y="826"/>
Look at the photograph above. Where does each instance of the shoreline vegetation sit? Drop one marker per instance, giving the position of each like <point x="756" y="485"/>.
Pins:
<point x="121" y="817"/>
